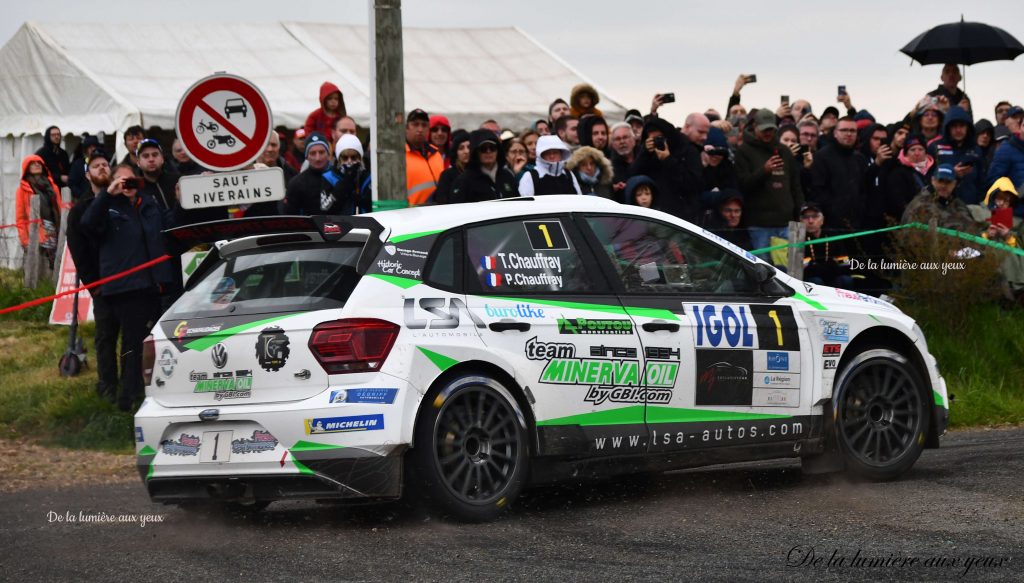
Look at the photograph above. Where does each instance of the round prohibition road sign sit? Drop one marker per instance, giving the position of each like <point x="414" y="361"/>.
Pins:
<point x="223" y="122"/>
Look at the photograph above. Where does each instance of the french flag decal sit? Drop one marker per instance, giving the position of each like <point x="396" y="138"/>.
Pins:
<point x="494" y="279"/>
<point x="489" y="262"/>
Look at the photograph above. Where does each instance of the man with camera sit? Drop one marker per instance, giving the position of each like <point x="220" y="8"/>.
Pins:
<point x="128" y="226"/>
<point x="663" y="158"/>
<point x="958" y="148"/>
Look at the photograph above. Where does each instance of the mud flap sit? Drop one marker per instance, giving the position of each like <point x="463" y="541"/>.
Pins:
<point x="830" y="460"/>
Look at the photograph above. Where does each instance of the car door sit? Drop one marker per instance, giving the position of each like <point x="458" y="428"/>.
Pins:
<point x="551" y="317"/>
<point x="741" y="378"/>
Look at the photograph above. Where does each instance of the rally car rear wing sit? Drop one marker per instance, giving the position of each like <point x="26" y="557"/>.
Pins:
<point x="330" y="228"/>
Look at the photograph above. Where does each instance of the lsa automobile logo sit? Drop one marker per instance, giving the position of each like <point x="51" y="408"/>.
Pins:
<point x="725" y="326"/>
<point x="445" y="314"/>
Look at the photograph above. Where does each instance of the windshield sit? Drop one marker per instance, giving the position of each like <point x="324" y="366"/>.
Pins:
<point x="285" y="279"/>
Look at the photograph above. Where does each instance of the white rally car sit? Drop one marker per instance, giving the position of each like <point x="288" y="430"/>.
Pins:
<point x="462" y="352"/>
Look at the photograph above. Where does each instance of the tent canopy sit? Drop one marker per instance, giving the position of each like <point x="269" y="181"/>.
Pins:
<point x="106" y="77"/>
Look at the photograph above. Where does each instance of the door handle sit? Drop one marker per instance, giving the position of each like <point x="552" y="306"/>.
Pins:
<point x="657" y="326"/>
<point x="303" y="374"/>
<point x="502" y="326"/>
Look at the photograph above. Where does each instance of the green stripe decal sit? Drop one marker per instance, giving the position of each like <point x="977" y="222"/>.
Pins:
<point x="605" y="308"/>
<point x="938" y="399"/>
<point x="302" y="467"/>
<point x="147" y="450"/>
<point x="401" y="238"/>
<point x="311" y="446"/>
<point x="201" y="344"/>
<point x="875" y="318"/>
<point x="809" y="301"/>
<point x="440" y="361"/>
<point x="635" y="414"/>
<point x="402" y="282"/>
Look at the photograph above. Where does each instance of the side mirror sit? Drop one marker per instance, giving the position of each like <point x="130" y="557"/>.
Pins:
<point x="764" y="275"/>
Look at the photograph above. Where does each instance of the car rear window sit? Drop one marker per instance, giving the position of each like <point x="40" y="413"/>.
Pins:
<point x="282" y="279"/>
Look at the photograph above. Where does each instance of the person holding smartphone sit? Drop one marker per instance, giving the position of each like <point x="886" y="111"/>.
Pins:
<point x="128" y="226"/>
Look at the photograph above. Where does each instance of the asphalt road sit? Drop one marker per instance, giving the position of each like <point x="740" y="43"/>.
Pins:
<point x="963" y="502"/>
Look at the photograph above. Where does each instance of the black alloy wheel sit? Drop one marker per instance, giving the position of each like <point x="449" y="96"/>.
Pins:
<point x="471" y="448"/>
<point x="881" y="414"/>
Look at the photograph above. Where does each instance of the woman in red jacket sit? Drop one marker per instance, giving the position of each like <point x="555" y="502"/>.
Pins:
<point x="36" y="180"/>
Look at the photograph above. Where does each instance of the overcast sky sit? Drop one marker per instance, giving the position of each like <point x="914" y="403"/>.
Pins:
<point x="632" y="49"/>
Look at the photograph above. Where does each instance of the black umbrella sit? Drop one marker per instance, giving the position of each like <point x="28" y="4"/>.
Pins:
<point x="963" y="43"/>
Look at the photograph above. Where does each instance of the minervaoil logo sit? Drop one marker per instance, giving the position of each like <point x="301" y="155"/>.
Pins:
<point x="590" y="326"/>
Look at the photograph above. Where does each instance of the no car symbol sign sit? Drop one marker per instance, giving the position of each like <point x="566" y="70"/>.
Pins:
<point x="223" y="122"/>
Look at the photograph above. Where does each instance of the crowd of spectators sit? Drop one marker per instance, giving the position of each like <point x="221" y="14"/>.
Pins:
<point x="743" y="175"/>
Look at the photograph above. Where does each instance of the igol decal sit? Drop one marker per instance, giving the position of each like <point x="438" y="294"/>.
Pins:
<point x="594" y="326"/>
<point x="744" y="326"/>
<point x="185" y="445"/>
<point x="344" y="424"/>
<point x="260" y="442"/>
<point x="272" y="349"/>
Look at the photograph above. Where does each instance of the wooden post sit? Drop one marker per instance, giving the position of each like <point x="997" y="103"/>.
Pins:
<point x="795" y="255"/>
<point x="387" y="104"/>
<point x="32" y="251"/>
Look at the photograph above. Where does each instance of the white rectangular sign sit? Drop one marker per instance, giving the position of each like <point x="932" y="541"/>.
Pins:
<point x="232" y="188"/>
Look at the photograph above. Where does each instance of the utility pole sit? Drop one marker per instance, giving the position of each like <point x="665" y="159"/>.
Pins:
<point x="387" y="104"/>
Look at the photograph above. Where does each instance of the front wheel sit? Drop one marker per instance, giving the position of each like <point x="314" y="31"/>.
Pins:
<point x="881" y="414"/>
<point x="470" y="455"/>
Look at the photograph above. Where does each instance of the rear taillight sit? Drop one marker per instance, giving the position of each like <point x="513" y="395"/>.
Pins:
<point x="353" y="345"/>
<point x="148" y="359"/>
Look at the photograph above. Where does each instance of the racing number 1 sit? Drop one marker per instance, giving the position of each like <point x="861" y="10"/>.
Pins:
<point x="778" y="325"/>
<point x="547" y="238"/>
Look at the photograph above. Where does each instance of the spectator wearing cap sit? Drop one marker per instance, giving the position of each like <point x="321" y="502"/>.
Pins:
<point x="936" y="201"/>
<point x="296" y="154"/>
<point x="718" y="171"/>
<point x="593" y="171"/>
<point x="726" y="220"/>
<point x="441" y="136"/>
<point x="769" y="177"/>
<point x="355" y="188"/>
<point x="78" y="180"/>
<point x="958" y="148"/>
<point x="332" y="106"/>
<point x="825" y="263"/>
<point x="826" y="126"/>
<point x="838" y="182"/>
<point x="128" y="226"/>
<point x="160" y="180"/>
<point x="908" y="177"/>
<point x="132" y="136"/>
<point x="635" y="121"/>
<point x="623" y="144"/>
<point x="423" y="163"/>
<point x="948" y="91"/>
<point x="312" y="191"/>
<point x="55" y="157"/>
<point x="486" y="176"/>
<point x="550" y="175"/>
<point x="458" y="153"/>
<point x="85" y="251"/>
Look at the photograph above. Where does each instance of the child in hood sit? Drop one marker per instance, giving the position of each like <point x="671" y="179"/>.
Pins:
<point x="332" y="107"/>
<point x="583" y="101"/>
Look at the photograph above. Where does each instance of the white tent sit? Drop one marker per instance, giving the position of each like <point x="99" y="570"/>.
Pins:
<point x="90" y="77"/>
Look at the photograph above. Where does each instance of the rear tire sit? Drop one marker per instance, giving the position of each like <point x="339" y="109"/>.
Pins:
<point x="881" y="414"/>
<point x="471" y="450"/>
